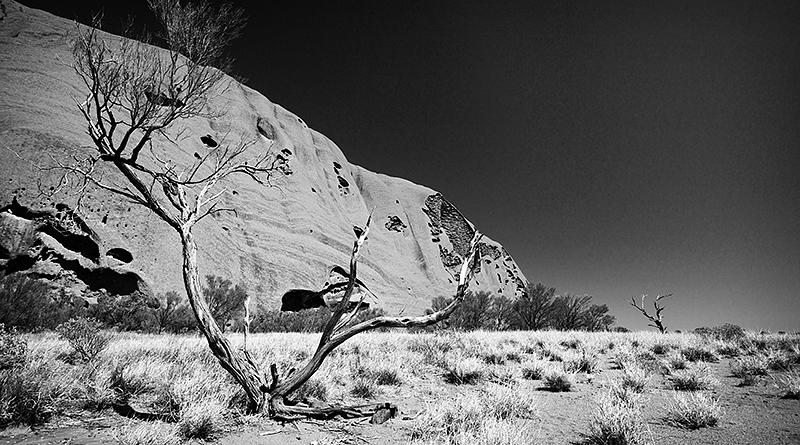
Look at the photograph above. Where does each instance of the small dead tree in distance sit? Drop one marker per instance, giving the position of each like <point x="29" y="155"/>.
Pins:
<point x="655" y="319"/>
<point x="139" y="100"/>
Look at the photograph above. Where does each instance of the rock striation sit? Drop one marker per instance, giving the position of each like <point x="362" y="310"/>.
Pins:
<point x="285" y="236"/>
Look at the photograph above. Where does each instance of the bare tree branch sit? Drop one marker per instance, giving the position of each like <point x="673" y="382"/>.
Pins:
<point x="656" y="318"/>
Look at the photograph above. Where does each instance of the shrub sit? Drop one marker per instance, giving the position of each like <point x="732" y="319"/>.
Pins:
<point x="725" y="332"/>
<point x="557" y="381"/>
<point x="616" y="422"/>
<point x="84" y="335"/>
<point x="12" y="348"/>
<point x="698" y="377"/>
<point x="28" y="304"/>
<point x="464" y="371"/>
<point x="693" y="411"/>
<point x="124" y="312"/>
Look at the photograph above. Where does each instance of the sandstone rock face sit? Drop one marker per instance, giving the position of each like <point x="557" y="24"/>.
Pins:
<point x="284" y="236"/>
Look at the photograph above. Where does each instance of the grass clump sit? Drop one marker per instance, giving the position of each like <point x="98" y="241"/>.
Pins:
<point x="506" y="402"/>
<point x="34" y="392"/>
<point x="150" y="433"/>
<point x="200" y="420"/>
<point x="489" y="418"/>
<point x="557" y="380"/>
<point x="617" y="420"/>
<point x="534" y="371"/>
<point x="635" y="378"/>
<point x="749" y="369"/>
<point x="699" y="354"/>
<point x="552" y="353"/>
<point x="695" y="378"/>
<point x="675" y="361"/>
<point x="586" y="361"/>
<point x="364" y="389"/>
<point x="313" y="388"/>
<point x="693" y="411"/>
<point x="660" y="348"/>
<point x="791" y="386"/>
<point x="464" y="371"/>
<point x="778" y="360"/>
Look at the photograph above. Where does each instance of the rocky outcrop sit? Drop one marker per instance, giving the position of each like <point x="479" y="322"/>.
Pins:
<point x="285" y="235"/>
<point x="60" y="247"/>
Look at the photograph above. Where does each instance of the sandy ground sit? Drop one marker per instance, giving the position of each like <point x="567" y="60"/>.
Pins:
<point x="752" y="415"/>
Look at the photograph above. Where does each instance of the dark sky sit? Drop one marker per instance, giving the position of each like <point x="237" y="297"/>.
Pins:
<point x="614" y="149"/>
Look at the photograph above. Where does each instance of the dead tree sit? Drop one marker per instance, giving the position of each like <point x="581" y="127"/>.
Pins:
<point x="655" y="319"/>
<point x="139" y="98"/>
<point x="339" y="328"/>
<point x="138" y="102"/>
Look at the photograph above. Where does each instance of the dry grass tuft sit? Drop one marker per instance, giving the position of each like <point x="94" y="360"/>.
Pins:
<point x="464" y="371"/>
<point x="635" y="377"/>
<point x="557" y="380"/>
<point x="693" y="411"/>
<point x="791" y="385"/>
<point x="586" y="361"/>
<point x="534" y="370"/>
<point x="695" y="378"/>
<point x="617" y="419"/>
<point x="148" y="433"/>
<point x="489" y="418"/>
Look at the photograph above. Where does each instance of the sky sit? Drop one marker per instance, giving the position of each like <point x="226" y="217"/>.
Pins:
<point x="614" y="148"/>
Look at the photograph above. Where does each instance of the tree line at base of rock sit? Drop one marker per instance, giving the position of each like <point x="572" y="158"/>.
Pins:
<point x="30" y="304"/>
<point x="538" y="307"/>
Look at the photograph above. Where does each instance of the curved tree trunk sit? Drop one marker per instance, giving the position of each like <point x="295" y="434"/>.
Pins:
<point x="239" y="365"/>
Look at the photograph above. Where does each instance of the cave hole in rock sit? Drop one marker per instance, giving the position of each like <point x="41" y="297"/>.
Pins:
<point x="286" y="151"/>
<point x="337" y="165"/>
<point x="343" y="182"/>
<point x="209" y="141"/>
<point x="120" y="254"/>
